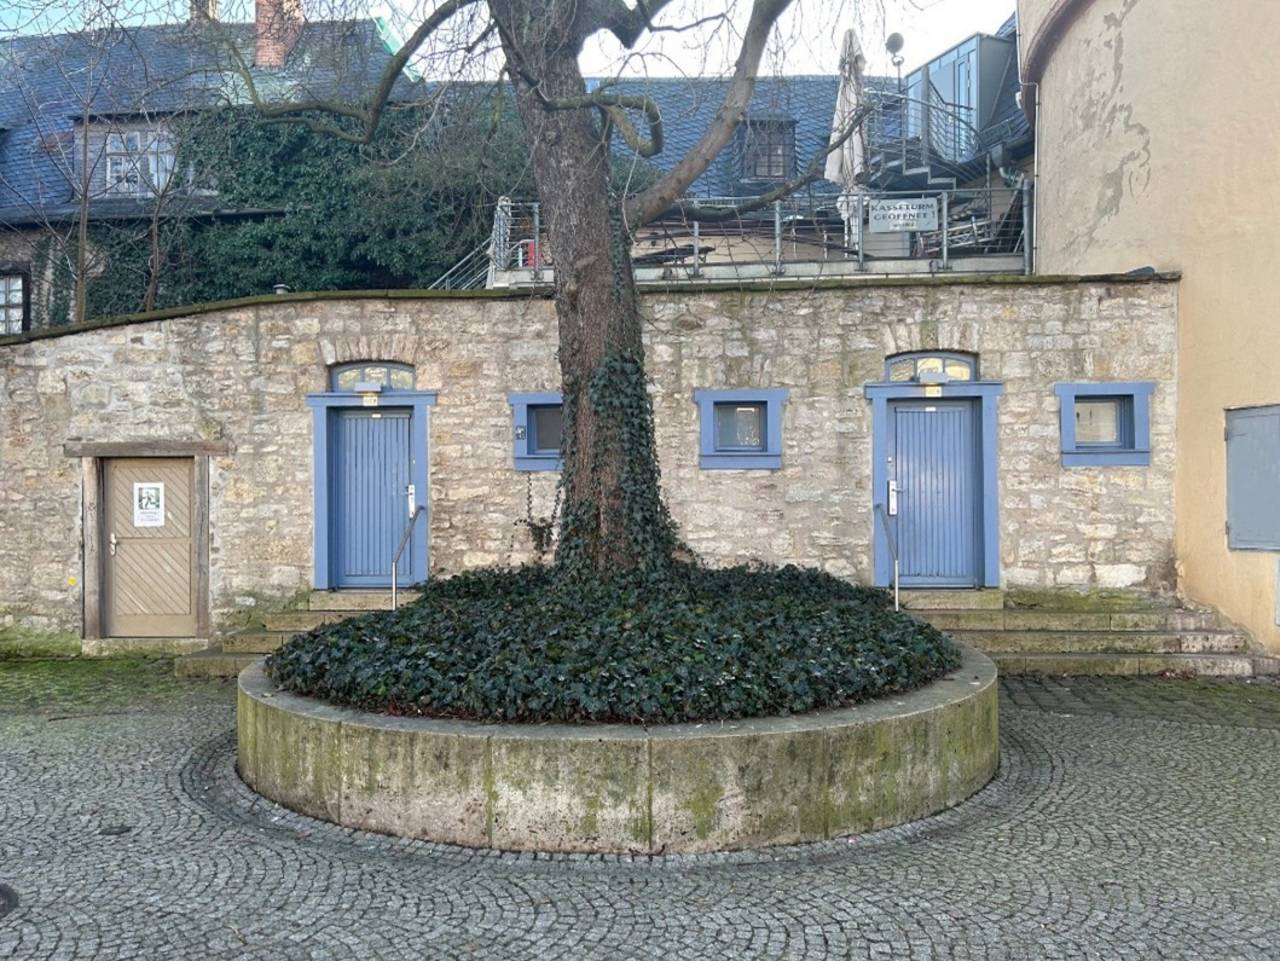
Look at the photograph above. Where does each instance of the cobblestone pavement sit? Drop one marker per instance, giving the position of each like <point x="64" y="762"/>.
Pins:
<point x="1130" y="819"/>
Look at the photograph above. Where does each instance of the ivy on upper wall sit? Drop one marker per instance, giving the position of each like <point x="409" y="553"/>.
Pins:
<point x="313" y="211"/>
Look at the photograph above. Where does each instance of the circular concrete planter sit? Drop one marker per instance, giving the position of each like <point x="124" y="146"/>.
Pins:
<point x="685" y="787"/>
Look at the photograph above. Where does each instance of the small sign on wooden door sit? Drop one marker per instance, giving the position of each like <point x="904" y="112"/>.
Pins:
<point x="148" y="504"/>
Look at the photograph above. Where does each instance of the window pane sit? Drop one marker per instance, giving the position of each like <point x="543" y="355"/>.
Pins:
<point x="375" y="375"/>
<point x="546" y="426"/>
<point x="902" y="369"/>
<point x="740" y="426"/>
<point x="347" y="379"/>
<point x="959" y="370"/>
<point x="1098" y="420"/>
<point x="401" y="379"/>
<point x="929" y="365"/>
<point x="11" y="304"/>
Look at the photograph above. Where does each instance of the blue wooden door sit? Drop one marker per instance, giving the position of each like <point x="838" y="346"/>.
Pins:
<point x="370" y="471"/>
<point x="934" y="446"/>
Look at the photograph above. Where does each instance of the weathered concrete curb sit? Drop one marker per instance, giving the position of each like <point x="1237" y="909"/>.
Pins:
<point x="618" y="788"/>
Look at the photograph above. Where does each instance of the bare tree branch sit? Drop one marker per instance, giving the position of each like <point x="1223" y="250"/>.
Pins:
<point x="625" y="23"/>
<point x="368" y="117"/>
<point x="812" y="174"/>
<point x="653" y="202"/>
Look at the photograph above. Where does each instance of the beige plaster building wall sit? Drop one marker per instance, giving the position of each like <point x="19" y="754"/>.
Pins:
<point x="1159" y="144"/>
<point x="242" y="374"/>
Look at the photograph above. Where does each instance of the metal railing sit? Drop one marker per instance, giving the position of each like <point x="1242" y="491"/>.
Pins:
<point x="893" y="551"/>
<point x="930" y="136"/>
<point x="472" y="272"/>
<point x="395" y="560"/>
<point x="984" y="228"/>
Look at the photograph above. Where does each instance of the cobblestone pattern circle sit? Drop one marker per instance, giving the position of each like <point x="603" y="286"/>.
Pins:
<point x="1111" y="832"/>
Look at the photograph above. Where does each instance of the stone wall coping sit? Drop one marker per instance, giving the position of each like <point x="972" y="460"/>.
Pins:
<point x="625" y="788"/>
<point x="976" y="671"/>
<point x="541" y="293"/>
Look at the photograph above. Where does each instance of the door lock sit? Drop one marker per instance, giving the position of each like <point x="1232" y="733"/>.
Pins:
<point x="893" y="498"/>
<point x="412" y="494"/>
<point x="112" y="541"/>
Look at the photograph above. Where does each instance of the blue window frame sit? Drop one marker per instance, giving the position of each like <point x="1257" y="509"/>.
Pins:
<point x="1105" y="425"/>
<point x="740" y="429"/>
<point x="537" y="428"/>
<point x="1253" y="475"/>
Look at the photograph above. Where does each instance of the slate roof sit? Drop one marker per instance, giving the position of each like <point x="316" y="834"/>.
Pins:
<point x="689" y="105"/>
<point x="48" y="83"/>
<point x="166" y="68"/>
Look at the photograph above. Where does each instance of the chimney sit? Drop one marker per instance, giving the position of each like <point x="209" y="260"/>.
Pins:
<point x="201" y="10"/>
<point x="278" y="24"/>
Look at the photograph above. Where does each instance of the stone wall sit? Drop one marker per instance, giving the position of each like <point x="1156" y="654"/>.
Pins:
<point x="242" y="374"/>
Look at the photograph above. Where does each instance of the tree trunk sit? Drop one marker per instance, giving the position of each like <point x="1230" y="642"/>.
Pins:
<point x="613" y="516"/>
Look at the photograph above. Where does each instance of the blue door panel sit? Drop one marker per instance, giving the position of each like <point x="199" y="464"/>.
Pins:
<point x="371" y="468"/>
<point x="935" y="450"/>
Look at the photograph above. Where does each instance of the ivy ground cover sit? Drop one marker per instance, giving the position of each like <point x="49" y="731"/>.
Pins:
<point x="534" y="644"/>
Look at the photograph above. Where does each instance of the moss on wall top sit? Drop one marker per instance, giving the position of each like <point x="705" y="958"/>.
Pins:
<point x="543" y="293"/>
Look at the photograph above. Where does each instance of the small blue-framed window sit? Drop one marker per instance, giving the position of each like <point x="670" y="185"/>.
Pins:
<point x="740" y="429"/>
<point x="537" y="422"/>
<point x="1105" y="425"/>
<point x="371" y="377"/>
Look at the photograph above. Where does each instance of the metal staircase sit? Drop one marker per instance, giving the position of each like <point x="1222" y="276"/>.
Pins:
<point x="472" y="272"/>
<point x="920" y="144"/>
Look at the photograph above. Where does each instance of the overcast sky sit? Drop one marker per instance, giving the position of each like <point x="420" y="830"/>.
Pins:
<point x="812" y="32"/>
<point x="808" y="40"/>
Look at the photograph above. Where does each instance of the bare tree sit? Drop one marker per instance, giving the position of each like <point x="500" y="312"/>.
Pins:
<point x="614" y="515"/>
<point x="96" y="152"/>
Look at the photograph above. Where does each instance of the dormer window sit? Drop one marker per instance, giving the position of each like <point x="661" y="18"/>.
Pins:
<point x="136" y="161"/>
<point x="769" y="149"/>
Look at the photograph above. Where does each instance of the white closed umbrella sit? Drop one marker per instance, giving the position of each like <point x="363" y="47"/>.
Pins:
<point x="849" y="160"/>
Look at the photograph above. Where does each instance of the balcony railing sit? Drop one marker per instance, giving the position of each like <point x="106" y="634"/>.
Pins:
<point x="978" y="230"/>
<point x="920" y="142"/>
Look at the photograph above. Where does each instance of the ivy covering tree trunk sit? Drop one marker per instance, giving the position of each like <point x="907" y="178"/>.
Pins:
<point x="613" y="512"/>
<point x="613" y="516"/>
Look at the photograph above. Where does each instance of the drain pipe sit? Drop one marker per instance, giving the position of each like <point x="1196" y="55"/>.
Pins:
<point x="1034" y="244"/>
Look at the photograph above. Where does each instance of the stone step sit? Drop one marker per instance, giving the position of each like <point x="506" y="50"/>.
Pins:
<point x="966" y="600"/>
<point x="356" y="600"/>
<point x="1200" y="665"/>
<point x="1046" y="620"/>
<point x="1105" y="642"/>
<point x="292" y="622"/>
<point x="212" y="663"/>
<point x="254" y="642"/>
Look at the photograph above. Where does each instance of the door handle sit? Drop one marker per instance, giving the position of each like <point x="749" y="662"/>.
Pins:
<point x="412" y="494"/>
<point x="893" y="498"/>
<point x="112" y="541"/>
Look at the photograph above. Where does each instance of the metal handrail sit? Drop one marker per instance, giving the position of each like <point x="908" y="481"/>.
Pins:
<point x="395" y="560"/>
<point x="893" y="551"/>
<point x="468" y="273"/>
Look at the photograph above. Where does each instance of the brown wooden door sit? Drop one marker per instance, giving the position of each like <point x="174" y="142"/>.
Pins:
<point x="149" y="550"/>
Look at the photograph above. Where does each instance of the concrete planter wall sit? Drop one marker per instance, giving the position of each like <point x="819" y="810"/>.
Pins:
<point x="688" y="787"/>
